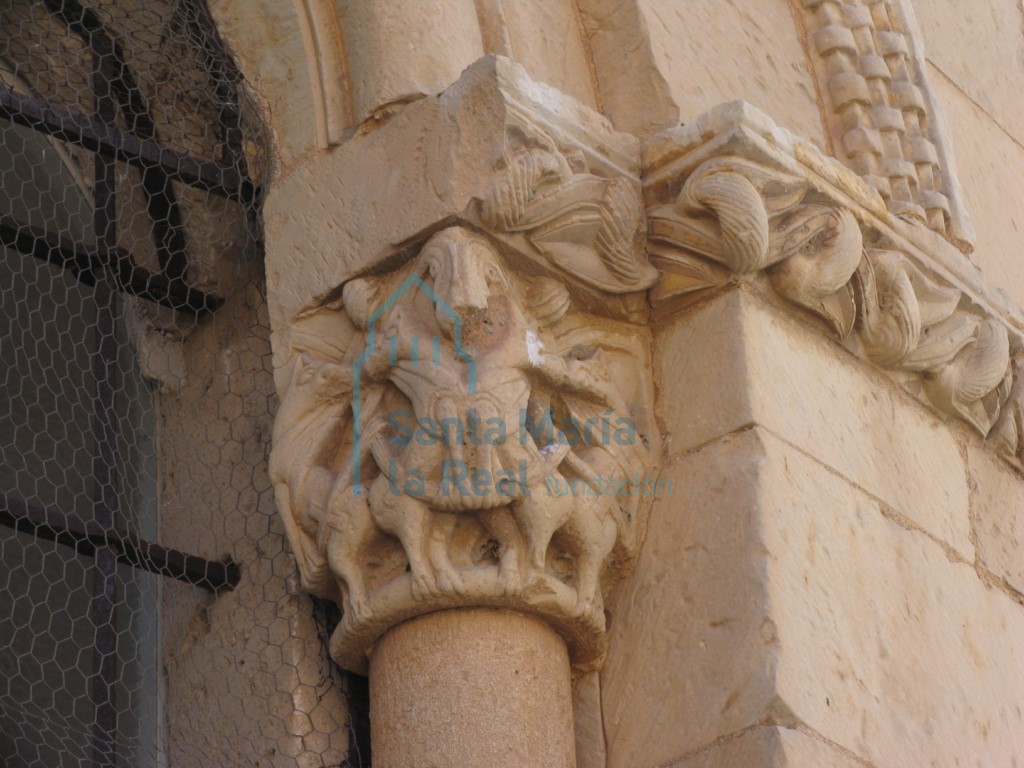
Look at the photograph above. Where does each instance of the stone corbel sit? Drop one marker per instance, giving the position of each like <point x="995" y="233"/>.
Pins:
<point x="465" y="414"/>
<point x="731" y="197"/>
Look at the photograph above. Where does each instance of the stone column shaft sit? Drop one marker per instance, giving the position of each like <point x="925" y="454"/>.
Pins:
<point x="471" y="687"/>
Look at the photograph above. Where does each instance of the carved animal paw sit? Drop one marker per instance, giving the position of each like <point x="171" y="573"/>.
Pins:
<point x="423" y="586"/>
<point x="360" y="608"/>
<point x="449" y="580"/>
<point x="509" y="580"/>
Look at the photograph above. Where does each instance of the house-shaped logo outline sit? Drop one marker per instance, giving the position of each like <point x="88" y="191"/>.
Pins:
<point x="371" y="339"/>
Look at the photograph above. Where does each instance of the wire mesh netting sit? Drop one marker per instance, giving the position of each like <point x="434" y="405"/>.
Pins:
<point x="149" y="610"/>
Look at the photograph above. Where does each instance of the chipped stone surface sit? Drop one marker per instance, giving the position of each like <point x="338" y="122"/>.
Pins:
<point x="997" y="509"/>
<point x="547" y="37"/>
<point x="760" y="367"/>
<point x="712" y="51"/>
<point x="435" y="174"/>
<point x="401" y="50"/>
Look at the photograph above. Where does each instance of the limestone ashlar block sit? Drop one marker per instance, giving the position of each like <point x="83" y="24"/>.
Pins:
<point x="982" y="52"/>
<point x="928" y="670"/>
<point x="773" y="592"/>
<point x="997" y="509"/>
<point x="997" y="162"/>
<point x="399" y="50"/>
<point x="761" y="367"/>
<point x="368" y="199"/>
<point x="688" y="660"/>
<point x="709" y="51"/>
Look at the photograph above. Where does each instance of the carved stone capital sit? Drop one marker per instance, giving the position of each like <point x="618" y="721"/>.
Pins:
<point x="732" y="197"/>
<point x="466" y="414"/>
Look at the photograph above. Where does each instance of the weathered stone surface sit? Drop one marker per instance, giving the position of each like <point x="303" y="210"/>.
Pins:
<point x="691" y="652"/>
<point x="772" y="591"/>
<point x="761" y="367"/>
<point x="770" y="747"/>
<point x="434" y="171"/>
<point x="997" y="511"/>
<point x="712" y="51"/>
<point x="400" y="50"/>
<point x="982" y="51"/>
<point x="996" y="165"/>
<point x="471" y="688"/>
<point x="867" y="614"/>
<point x="266" y="41"/>
<point x="591" y="751"/>
<point x="246" y="670"/>
<point x="547" y="37"/>
<point x="634" y="93"/>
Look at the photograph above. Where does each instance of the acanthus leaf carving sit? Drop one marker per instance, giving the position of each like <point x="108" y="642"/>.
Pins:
<point x="817" y="249"/>
<point x="583" y="223"/>
<point x="749" y="218"/>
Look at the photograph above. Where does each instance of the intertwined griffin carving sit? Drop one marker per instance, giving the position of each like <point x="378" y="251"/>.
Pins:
<point x="471" y="426"/>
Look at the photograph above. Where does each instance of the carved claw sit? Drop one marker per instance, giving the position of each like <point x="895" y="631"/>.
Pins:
<point x="449" y="580"/>
<point x="423" y="585"/>
<point x="359" y="606"/>
<point x="509" y="578"/>
<point x="960" y="387"/>
<point x="820" y="248"/>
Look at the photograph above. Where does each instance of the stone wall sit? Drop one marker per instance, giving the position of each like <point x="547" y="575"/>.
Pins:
<point x="836" y="577"/>
<point x="248" y="679"/>
<point x="976" y="63"/>
<point x="827" y="549"/>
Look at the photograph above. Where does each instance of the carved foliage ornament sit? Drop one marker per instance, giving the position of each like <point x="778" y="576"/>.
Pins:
<point x="734" y="218"/>
<point x="471" y="427"/>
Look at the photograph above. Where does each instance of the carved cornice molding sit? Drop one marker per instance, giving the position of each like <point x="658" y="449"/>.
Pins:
<point x="732" y="197"/>
<point x="467" y="419"/>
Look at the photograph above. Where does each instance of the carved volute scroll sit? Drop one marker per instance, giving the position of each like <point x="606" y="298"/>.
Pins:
<point x="468" y="423"/>
<point x="733" y="198"/>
